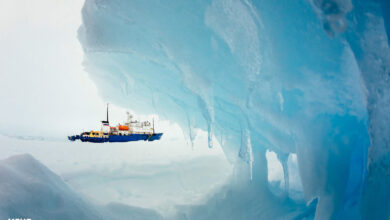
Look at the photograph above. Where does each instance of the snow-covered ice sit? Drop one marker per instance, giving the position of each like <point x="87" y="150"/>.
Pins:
<point x="290" y="99"/>
<point x="141" y="174"/>
<point x="28" y="189"/>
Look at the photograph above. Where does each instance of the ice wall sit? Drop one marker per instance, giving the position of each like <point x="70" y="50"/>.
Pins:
<point x="304" y="77"/>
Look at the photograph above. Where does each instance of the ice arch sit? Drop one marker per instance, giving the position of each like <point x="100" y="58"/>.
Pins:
<point x="304" y="77"/>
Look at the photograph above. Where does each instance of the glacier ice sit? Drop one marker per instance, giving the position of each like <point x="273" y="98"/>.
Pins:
<point x="309" y="78"/>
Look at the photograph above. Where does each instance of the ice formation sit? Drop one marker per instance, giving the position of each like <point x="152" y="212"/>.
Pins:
<point x="309" y="78"/>
<point x="30" y="190"/>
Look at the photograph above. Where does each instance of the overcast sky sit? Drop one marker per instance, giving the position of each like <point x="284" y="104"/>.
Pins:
<point x="44" y="90"/>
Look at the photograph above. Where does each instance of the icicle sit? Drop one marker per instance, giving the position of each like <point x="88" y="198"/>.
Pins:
<point x="210" y="135"/>
<point x="222" y="139"/>
<point x="283" y="157"/>
<point x="208" y="114"/>
<point x="281" y="101"/>
<point x="186" y="134"/>
<point x="191" y="134"/>
<point x="250" y="153"/>
<point x="246" y="152"/>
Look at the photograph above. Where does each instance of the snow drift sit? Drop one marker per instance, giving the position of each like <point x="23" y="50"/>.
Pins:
<point x="29" y="190"/>
<point x="304" y="77"/>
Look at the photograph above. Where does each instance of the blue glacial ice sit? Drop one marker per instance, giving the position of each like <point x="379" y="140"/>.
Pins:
<point x="305" y="78"/>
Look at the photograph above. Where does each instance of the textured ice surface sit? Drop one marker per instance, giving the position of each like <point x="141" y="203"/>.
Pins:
<point x="303" y="77"/>
<point x="30" y="190"/>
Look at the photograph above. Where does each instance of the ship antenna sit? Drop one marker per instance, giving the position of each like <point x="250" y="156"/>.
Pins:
<point x="153" y="125"/>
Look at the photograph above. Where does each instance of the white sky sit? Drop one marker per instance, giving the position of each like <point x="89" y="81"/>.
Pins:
<point x="43" y="88"/>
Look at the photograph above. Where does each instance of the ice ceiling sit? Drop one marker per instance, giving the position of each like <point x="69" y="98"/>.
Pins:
<point x="309" y="78"/>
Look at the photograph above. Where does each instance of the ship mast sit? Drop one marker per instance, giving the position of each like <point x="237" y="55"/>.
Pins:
<point x="107" y="114"/>
<point x="106" y="121"/>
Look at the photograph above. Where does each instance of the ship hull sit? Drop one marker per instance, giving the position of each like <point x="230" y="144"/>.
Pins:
<point x="118" y="138"/>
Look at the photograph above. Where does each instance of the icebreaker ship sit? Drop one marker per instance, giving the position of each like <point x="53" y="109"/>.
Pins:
<point x="131" y="130"/>
<point x="306" y="78"/>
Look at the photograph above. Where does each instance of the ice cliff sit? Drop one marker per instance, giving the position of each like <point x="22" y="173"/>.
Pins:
<point x="309" y="78"/>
